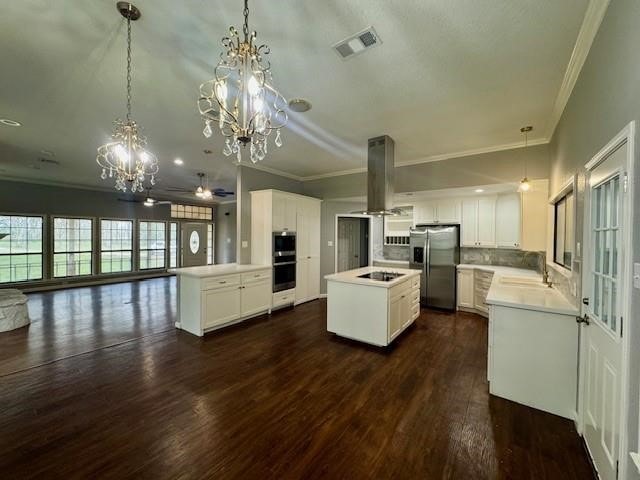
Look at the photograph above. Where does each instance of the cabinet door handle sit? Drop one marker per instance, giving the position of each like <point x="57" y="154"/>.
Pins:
<point x="223" y="281"/>
<point x="256" y="276"/>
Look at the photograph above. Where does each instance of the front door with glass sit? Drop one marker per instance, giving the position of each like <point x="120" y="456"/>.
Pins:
<point x="194" y="244"/>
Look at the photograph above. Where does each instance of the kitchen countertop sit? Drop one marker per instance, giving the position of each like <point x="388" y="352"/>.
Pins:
<point x="351" y="276"/>
<point x="217" y="270"/>
<point x="511" y="271"/>
<point x="527" y="297"/>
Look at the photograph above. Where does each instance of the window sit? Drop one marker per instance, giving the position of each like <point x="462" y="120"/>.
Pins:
<point x="191" y="211"/>
<point x="210" y="244"/>
<point x="564" y="229"/>
<point x="20" y="248"/>
<point x="173" y="245"/>
<point x="152" y="245"/>
<point x="72" y="247"/>
<point x="116" y="246"/>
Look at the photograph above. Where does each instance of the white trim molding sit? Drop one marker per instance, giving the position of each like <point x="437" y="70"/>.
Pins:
<point x="590" y="25"/>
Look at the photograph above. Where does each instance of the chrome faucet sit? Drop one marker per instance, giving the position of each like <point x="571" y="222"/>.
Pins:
<point x="545" y="272"/>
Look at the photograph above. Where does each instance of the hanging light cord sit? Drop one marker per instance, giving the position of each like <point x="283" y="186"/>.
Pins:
<point x="129" y="66"/>
<point x="525" y="155"/>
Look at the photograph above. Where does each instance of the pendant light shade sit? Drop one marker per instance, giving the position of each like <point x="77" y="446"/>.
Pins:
<point x="525" y="185"/>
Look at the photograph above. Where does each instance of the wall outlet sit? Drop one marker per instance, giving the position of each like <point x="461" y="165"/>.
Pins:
<point x="245" y="244"/>
<point x="578" y="248"/>
<point x="330" y="243"/>
<point x="574" y="289"/>
<point x="636" y="275"/>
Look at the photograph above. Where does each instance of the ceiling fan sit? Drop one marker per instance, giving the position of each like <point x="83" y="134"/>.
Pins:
<point x="148" y="201"/>
<point x="202" y="191"/>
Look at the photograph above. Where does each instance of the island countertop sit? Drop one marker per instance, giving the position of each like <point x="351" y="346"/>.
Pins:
<point x="217" y="270"/>
<point x="352" y="276"/>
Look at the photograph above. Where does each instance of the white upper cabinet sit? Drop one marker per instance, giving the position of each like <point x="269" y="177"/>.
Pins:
<point x="487" y="222"/>
<point x="437" y="211"/>
<point x="469" y="224"/>
<point x="284" y="213"/>
<point x="424" y="212"/>
<point x="448" y="211"/>
<point x="508" y="220"/>
<point x="479" y="222"/>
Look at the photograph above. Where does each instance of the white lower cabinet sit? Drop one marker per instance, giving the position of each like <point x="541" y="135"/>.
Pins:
<point x="307" y="279"/>
<point x="372" y="314"/>
<point x="465" y="288"/>
<point x="220" y="305"/>
<point x="285" y="297"/>
<point x="473" y="286"/>
<point x="208" y="303"/>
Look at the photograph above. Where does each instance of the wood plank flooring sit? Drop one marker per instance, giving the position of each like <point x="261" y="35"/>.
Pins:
<point x="274" y="398"/>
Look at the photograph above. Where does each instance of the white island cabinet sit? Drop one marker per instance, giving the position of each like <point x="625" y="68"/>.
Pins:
<point x="214" y="296"/>
<point x="372" y="311"/>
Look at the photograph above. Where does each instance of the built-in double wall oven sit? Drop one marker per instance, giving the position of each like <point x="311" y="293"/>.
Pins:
<point x="284" y="261"/>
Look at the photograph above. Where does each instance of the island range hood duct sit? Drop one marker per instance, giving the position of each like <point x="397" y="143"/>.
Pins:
<point x="380" y="165"/>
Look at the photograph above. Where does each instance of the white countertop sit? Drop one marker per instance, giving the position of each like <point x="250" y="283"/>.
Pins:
<point x="351" y="276"/>
<point x="510" y="271"/>
<point x="217" y="270"/>
<point x="527" y="297"/>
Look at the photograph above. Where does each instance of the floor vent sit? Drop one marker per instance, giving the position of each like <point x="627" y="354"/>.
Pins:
<point x="358" y="43"/>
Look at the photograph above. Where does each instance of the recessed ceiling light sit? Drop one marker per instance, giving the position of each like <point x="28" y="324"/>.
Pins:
<point x="479" y="190"/>
<point x="10" y="123"/>
<point x="178" y="161"/>
<point x="299" y="105"/>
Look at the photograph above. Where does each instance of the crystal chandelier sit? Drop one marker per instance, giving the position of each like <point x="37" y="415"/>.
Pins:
<point x="126" y="158"/>
<point x="240" y="99"/>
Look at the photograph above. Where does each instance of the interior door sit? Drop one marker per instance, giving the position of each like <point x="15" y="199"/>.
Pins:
<point x="194" y="244"/>
<point x="348" y="244"/>
<point x="602" y="284"/>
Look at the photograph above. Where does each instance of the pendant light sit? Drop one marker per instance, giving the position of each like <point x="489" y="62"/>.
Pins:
<point x="240" y="100"/>
<point x="126" y="158"/>
<point x="524" y="183"/>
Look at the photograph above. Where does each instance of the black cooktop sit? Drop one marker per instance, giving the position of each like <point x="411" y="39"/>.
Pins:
<point x="381" y="276"/>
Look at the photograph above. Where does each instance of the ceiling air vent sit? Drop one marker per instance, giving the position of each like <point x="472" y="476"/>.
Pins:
<point x="358" y="43"/>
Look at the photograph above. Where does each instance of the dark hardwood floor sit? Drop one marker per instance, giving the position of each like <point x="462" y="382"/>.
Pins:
<point x="274" y="398"/>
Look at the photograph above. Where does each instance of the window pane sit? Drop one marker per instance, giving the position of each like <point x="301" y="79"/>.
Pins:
<point x="116" y="246"/>
<point x="72" y="247"/>
<point x="20" y="248"/>
<point x="210" y="244"/>
<point x="152" y="245"/>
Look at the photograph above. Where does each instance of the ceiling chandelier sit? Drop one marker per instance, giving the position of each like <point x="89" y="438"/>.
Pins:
<point x="126" y="157"/>
<point x="240" y="99"/>
<point x="524" y="183"/>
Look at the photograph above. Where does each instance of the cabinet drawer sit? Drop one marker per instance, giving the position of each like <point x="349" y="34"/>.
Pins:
<point x="256" y="276"/>
<point x="402" y="289"/>
<point x="415" y="311"/>
<point x="284" y="298"/>
<point x="220" y="282"/>
<point x="415" y="296"/>
<point x="415" y="282"/>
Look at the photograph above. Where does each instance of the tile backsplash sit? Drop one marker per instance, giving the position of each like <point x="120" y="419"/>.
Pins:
<point x="395" y="252"/>
<point x="502" y="257"/>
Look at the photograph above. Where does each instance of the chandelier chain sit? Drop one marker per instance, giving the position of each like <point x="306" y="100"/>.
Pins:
<point x="245" y="27"/>
<point x="129" y="68"/>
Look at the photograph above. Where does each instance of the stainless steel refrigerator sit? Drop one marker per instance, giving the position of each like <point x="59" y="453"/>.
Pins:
<point x="435" y="250"/>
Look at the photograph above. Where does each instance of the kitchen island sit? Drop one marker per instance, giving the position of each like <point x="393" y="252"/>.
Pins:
<point x="373" y="310"/>
<point x="214" y="296"/>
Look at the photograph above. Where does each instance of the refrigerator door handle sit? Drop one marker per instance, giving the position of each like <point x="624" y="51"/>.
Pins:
<point x="427" y="259"/>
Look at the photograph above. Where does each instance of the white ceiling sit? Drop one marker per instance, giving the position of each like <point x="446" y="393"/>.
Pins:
<point x="450" y="76"/>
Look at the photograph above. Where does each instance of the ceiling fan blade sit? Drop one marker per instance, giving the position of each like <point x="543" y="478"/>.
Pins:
<point x="164" y="202"/>
<point x="133" y="200"/>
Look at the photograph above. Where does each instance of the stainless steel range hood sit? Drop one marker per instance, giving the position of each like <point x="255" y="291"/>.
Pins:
<point x="380" y="167"/>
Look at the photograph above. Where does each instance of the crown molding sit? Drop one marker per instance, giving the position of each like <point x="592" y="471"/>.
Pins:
<point x="273" y="171"/>
<point x="590" y="25"/>
<point x="436" y="158"/>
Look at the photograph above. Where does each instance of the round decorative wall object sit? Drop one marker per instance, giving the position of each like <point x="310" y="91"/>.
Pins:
<point x="194" y="242"/>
